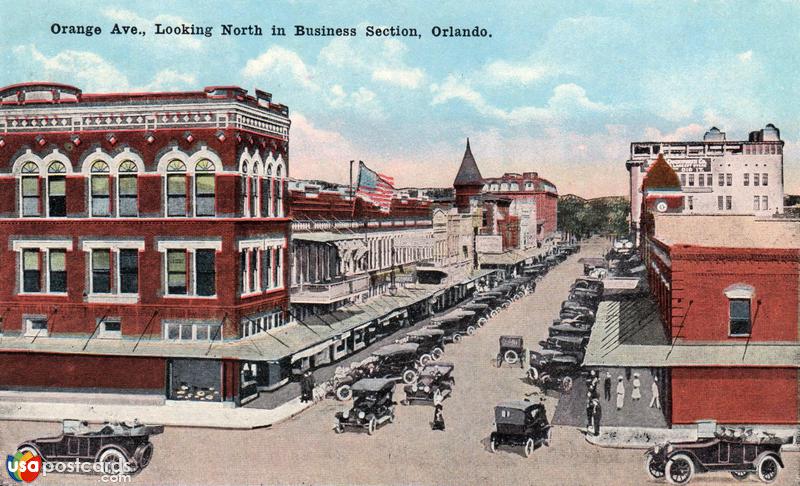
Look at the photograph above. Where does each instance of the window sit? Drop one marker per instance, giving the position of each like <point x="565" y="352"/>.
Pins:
<point x="691" y="179"/>
<point x="36" y="326"/>
<point x="266" y="192"/>
<point x="100" y="189"/>
<point x="245" y="192"/>
<point x="763" y="179"/>
<point x="127" y="190"/>
<point x="755" y="180"/>
<point x="691" y="206"/>
<point x="728" y="202"/>
<point x="57" y="275"/>
<point x="176" y="188"/>
<point x="254" y="200"/>
<point x="129" y="271"/>
<point x="683" y="179"/>
<point x="101" y="271"/>
<point x="204" y="188"/>
<point x="110" y="329"/>
<point x="701" y="180"/>
<point x="30" y="189"/>
<point x="31" y="271"/>
<point x="252" y="271"/>
<point x="746" y="179"/>
<point x="266" y="264"/>
<point x="278" y="192"/>
<point x="174" y="331"/>
<point x="764" y="203"/>
<point x="729" y="179"/>
<point x="720" y="203"/>
<point x="721" y="179"/>
<point x="206" y="272"/>
<point x="756" y="203"/>
<point x="739" y="317"/>
<point x="278" y="280"/>
<point x="56" y="190"/>
<point x="176" y="272"/>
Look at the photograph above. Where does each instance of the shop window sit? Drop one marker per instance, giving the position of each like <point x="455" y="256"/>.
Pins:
<point x="127" y="190"/>
<point x="205" y="188"/>
<point x="101" y="271"/>
<point x="176" y="188"/>
<point x="36" y="326"/>
<point x="56" y="190"/>
<point x="100" y="189"/>
<point x="740" y="324"/>
<point x="129" y="271"/>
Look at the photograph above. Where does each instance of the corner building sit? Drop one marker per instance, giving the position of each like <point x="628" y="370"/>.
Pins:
<point x="142" y="232"/>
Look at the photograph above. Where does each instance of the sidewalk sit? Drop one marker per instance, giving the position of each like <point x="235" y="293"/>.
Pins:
<point x="176" y="414"/>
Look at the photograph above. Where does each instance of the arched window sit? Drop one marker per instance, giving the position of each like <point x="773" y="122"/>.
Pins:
<point x="29" y="182"/>
<point x="278" y="192"/>
<point x="245" y="193"/>
<point x="127" y="189"/>
<point x="56" y="190"/>
<point x="176" y="188"/>
<point x="267" y="192"/>
<point x="254" y="199"/>
<point x="204" y="188"/>
<point x="100" y="189"/>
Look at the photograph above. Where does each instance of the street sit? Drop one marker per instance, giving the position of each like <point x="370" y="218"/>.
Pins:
<point x="305" y="450"/>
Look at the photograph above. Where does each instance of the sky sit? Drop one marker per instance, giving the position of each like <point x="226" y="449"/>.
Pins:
<point x="561" y="88"/>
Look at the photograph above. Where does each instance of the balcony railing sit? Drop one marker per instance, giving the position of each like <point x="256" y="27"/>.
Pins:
<point x="299" y="225"/>
<point x="329" y="292"/>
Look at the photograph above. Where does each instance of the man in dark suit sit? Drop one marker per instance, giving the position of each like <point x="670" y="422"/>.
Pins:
<point x="597" y="414"/>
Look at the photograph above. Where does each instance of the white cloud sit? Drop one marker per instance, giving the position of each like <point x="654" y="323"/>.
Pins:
<point x="362" y="100"/>
<point x="693" y="131"/>
<point x="746" y="56"/>
<point x="410" y="78"/>
<point x="522" y="73"/>
<point x="170" y="80"/>
<point x="384" y="63"/>
<point x="129" y="17"/>
<point x="279" y="60"/>
<point x="316" y="151"/>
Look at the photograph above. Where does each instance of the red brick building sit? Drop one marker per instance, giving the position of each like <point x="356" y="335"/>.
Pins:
<point x="145" y="234"/>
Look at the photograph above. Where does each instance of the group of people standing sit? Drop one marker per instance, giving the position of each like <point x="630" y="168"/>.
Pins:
<point x="594" y="411"/>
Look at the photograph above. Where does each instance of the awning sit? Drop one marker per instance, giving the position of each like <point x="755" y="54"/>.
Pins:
<point x="310" y="351"/>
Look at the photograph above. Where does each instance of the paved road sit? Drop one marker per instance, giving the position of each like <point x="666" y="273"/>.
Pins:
<point x="305" y="450"/>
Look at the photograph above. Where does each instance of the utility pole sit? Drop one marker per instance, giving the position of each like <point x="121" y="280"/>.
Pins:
<point x="351" y="179"/>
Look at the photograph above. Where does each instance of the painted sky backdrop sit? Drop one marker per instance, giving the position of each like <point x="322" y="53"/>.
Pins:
<point x="561" y="87"/>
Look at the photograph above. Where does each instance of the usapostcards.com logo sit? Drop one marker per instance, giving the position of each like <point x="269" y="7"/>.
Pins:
<point x="26" y="466"/>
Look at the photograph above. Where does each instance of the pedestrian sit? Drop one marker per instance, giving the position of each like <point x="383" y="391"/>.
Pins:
<point x="597" y="414"/>
<point x="438" y="418"/>
<point x="656" y="400"/>
<point x="303" y="388"/>
<point x="628" y="373"/>
<point x="620" y="393"/>
<point x="589" y="412"/>
<point x="636" y="394"/>
<point x="307" y="387"/>
<point x="607" y="386"/>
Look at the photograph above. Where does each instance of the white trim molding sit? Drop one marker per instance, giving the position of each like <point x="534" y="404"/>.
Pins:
<point x="88" y="245"/>
<point x="164" y="245"/>
<point x="61" y="244"/>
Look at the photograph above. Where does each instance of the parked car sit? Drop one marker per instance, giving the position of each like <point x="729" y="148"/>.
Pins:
<point x="481" y="311"/>
<point x="569" y="330"/>
<point x="397" y="361"/>
<point x="372" y="406"/>
<point x="588" y="283"/>
<point x="511" y="350"/>
<point x="553" y="369"/>
<point x="340" y="385"/>
<point x="585" y="297"/>
<point x="455" y="324"/>
<point x="434" y="380"/>
<point x="572" y="345"/>
<point x="592" y="263"/>
<point x="492" y="299"/>
<point x="431" y="344"/>
<point x="743" y="456"/>
<point x="120" y="447"/>
<point x="520" y="423"/>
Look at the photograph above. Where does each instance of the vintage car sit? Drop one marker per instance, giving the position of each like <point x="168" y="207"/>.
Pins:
<point x="571" y="309"/>
<point x="553" y="369"/>
<point x="572" y="345"/>
<point x="372" y="406"/>
<point x="569" y="330"/>
<point x="455" y="324"/>
<point x="512" y="350"/>
<point x="585" y="297"/>
<point x="588" y="283"/>
<point x="340" y="385"/>
<point x="534" y="270"/>
<point x="757" y="454"/>
<point x="490" y="298"/>
<point x="520" y="423"/>
<point x="481" y="311"/>
<point x="122" y="448"/>
<point x="434" y="382"/>
<point x="396" y="361"/>
<point x="431" y="344"/>
<point x="591" y="263"/>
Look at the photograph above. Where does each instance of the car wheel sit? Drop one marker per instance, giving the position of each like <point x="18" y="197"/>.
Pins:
<point x="113" y="461"/>
<point x="482" y="321"/>
<point x="344" y="393"/>
<point x="425" y="359"/>
<point x="143" y="455"/>
<point x="529" y="446"/>
<point x="493" y="445"/>
<point x="338" y="429"/>
<point x="409" y="376"/>
<point x="493" y="313"/>
<point x="680" y="469"/>
<point x="566" y="384"/>
<point x="456" y="338"/>
<point x="533" y="374"/>
<point x="506" y="304"/>
<point x="740" y="475"/>
<point x="371" y="426"/>
<point x="511" y="356"/>
<point x="654" y="467"/>
<point x="768" y="469"/>
<point x="405" y="401"/>
<point x="391" y="418"/>
<point x="437" y="353"/>
<point x="470" y="330"/>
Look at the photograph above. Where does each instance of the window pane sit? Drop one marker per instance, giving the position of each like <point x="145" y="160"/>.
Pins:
<point x="30" y="260"/>
<point x="100" y="206"/>
<point x="100" y="186"/>
<point x="740" y="309"/>
<point x="186" y="332"/>
<point x="176" y="184"/>
<point x="215" y="332"/>
<point x="127" y="185"/>
<point x="129" y="271"/>
<point x="172" y="331"/>
<point x="205" y="205"/>
<point x="205" y="183"/>
<point x="30" y="186"/>
<point x="176" y="206"/>
<point x="202" y="332"/>
<point x="112" y="326"/>
<point x="30" y="206"/>
<point x="206" y="274"/>
<point x="128" y="206"/>
<point x="57" y="186"/>
<point x="38" y="324"/>
<point x="101" y="259"/>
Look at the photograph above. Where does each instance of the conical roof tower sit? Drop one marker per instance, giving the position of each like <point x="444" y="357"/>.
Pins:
<point x="468" y="181"/>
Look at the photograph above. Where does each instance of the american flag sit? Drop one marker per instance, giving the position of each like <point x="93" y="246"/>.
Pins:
<point x="375" y="188"/>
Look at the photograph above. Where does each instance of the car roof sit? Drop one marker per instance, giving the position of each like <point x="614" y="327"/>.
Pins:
<point x="390" y="349"/>
<point x="426" y="332"/>
<point x="510" y="337"/>
<point x="517" y="405"/>
<point x="373" y="384"/>
<point x="474" y="305"/>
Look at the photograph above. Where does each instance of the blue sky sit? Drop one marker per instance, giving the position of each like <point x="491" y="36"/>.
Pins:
<point x="561" y="87"/>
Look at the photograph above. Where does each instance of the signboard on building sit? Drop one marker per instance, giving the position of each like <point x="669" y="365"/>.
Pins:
<point x="690" y="165"/>
<point x="489" y="244"/>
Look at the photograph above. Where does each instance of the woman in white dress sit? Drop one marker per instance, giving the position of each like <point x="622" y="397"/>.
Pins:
<point x="620" y="393"/>
<point x="636" y="394"/>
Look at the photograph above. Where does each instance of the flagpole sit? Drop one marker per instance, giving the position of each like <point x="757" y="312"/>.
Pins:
<point x="351" y="179"/>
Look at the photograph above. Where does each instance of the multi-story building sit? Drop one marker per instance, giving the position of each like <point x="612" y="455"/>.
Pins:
<point x="717" y="176"/>
<point x="534" y="201"/>
<point x="145" y="237"/>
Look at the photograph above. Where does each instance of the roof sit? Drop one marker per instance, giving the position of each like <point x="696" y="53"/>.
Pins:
<point x="468" y="172"/>
<point x="372" y="384"/>
<point x="726" y="232"/>
<point x="390" y="349"/>
<point x="630" y="333"/>
<point x="510" y="257"/>
<point x="517" y="404"/>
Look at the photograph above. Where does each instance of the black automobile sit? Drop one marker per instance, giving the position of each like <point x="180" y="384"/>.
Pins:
<point x="520" y="423"/>
<point x="756" y="454"/>
<point x="434" y="382"/>
<point x="569" y="330"/>
<point x="512" y="350"/>
<point x="584" y="297"/>
<point x="553" y="369"/>
<point x="491" y="299"/>
<point x="396" y="361"/>
<point x="455" y="325"/>
<point x="481" y="311"/>
<point x="373" y="405"/>
<point x="121" y="448"/>
<point x="571" y="309"/>
<point x="430" y="342"/>
<point x="572" y="345"/>
<point x="588" y="283"/>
